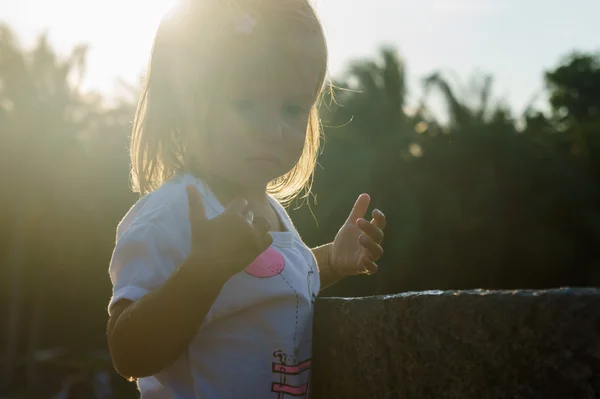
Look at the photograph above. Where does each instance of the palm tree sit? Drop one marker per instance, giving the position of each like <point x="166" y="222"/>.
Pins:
<point x="472" y="108"/>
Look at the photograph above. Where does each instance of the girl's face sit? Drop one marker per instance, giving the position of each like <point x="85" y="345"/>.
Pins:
<point x="260" y="116"/>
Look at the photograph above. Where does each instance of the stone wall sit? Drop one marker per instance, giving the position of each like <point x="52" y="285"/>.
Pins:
<point x="467" y="345"/>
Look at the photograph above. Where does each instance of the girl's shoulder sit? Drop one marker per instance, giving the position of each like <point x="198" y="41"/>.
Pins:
<point x="165" y="207"/>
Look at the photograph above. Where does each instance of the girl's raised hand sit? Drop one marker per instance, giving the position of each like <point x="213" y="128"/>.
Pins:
<point x="229" y="241"/>
<point x="357" y="246"/>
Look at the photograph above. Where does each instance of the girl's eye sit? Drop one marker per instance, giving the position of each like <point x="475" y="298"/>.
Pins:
<point x="293" y="110"/>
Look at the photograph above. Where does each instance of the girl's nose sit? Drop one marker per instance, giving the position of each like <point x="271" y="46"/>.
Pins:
<point x="269" y="128"/>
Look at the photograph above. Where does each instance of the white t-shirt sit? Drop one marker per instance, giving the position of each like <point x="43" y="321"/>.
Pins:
<point x="256" y="340"/>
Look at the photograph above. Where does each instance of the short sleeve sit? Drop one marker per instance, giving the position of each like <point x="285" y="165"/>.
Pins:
<point x="153" y="239"/>
<point x="143" y="259"/>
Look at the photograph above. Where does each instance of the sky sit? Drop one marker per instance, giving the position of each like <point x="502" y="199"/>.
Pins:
<point x="513" y="40"/>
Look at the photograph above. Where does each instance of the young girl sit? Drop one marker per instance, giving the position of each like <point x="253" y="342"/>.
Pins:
<point x="213" y="287"/>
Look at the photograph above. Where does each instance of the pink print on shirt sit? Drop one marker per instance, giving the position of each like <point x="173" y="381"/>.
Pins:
<point x="284" y="369"/>
<point x="268" y="264"/>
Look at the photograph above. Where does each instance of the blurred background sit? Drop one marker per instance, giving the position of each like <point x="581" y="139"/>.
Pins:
<point x="474" y="124"/>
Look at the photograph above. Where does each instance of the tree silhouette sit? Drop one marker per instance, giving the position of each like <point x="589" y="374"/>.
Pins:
<point x="46" y="122"/>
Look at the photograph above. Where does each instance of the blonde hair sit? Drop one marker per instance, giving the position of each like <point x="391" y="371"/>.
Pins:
<point x="186" y="61"/>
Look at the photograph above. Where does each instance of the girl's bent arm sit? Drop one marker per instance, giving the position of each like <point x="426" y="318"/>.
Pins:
<point x="168" y="287"/>
<point x="150" y="334"/>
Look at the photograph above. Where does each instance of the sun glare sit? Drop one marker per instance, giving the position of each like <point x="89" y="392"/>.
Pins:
<point x="120" y="34"/>
<point x="162" y="7"/>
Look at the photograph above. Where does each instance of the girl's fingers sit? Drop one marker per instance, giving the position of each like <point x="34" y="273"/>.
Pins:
<point x="359" y="210"/>
<point x="261" y="225"/>
<point x="266" y="242"/>
<point x="371" y="229"/>
<point x="374" y="249"/>
<point x="196" y="204"/>
<point x="197" y="212"/>
<point x="379" y="219"/>
<point x="238" y="206"/>
<point x="367" y="267"/>
<point x="262" y="228"/>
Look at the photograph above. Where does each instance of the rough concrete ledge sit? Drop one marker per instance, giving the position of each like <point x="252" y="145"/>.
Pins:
<point x="467" y="345"/>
